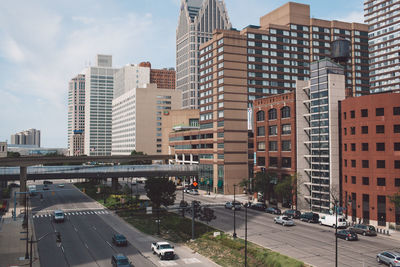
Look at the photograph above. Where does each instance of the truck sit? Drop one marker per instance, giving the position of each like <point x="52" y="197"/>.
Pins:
<point x="329" y="220"/>
<point x="163" y="250"/>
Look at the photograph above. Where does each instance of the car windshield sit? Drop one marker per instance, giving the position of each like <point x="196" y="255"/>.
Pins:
<point x="59" y="214"/>
<point x="120" y="237"/>
<point x="123" y="261"/>
<point x="165" y="246"/>
<point x="285" y="218"/>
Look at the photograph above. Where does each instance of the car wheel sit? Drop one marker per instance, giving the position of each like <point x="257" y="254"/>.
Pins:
<point x="334" y="226"/>
<point x="364" y="233"/>
<point x="347" y="239"/>
<point x="378" y="259"/>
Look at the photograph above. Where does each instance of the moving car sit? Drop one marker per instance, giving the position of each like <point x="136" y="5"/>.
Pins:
<point x="58" y="216"/>
<point x="163" y="250"/>
<point x="330" y="220"/>
<point x="45" y="187"/>
<point x="310" y="217"/>
<point x="284" y="220"/>
<point x="233" y="205"/>
<point x="363" y="229"/>
<point x="47" y="182"/>
<point x="273" y="210"/>
<point x="347" y="235"/>
<point x="294" y="214"/>
<point x="119" y="240"/>
<point x="61" y="185"/>
<point x="258" y="206"/>
<point x="120" y="260"/>
<point x="390" y="258"/>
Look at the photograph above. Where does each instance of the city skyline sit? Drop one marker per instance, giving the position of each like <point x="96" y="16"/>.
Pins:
<point x="37" y="64"/>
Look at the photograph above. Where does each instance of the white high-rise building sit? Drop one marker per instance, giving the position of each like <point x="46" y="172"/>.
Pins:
<point x="197" y="20"/>
<point x="99" y="87"/>
<point x="129" y="77"/>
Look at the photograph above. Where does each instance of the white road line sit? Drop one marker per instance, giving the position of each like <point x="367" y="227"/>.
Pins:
<point x="109" y="243"/>
<point x="167" y="263"/>
<point x="76" y="230"/>
<point x="191" y="260"/>
<point x="84" y="213"/>
<point x="86" y="245"/>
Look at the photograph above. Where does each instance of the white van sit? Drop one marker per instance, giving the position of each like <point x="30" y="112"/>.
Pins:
<point x="327" y="219"/>
<point x="58" y="216"/>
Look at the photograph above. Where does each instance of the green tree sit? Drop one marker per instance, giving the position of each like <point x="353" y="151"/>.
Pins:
<point x="11" y="154"/>
<point x="264" y="182"/>
<point x="138" y="161"/>
<point x="161" y="191"/>
<point x="284" y="188"/>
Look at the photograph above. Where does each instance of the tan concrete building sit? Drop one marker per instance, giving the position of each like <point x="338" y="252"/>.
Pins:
<point x="3" y="149"/>
<point x="137" y="116"/>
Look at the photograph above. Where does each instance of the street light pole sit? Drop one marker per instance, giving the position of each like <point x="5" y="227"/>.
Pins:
<point x="245" y="236"/>
<point x="234" y="211"/>
<point x="183" y="199"/>
<point x="336" y="245"/>
<point x="131" y="188"/>
<point x="27" y="226"/>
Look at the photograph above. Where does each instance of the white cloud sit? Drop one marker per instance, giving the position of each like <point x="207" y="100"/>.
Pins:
<point x="10" y="50"/>
<point x="355" y="16"/>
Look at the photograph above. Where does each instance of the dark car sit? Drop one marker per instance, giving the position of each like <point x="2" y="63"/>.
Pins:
<point x="347" y="235"/>
<point x="273" y="210"/>
<point x="46" y="187"/>
<point x="258" y="206"/>
<point x="310" y="217"/>
<point x="233" y="205"/>
<point x="294" y="214"/>
<point x="120" y="260"/>
<point x="390" y="258"/>
<point x="363" y="229"/>
<point x="119" y="240"/>
<point x="47" y="182"/>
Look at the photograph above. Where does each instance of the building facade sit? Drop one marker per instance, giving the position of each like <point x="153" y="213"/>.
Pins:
<point x="27" y="137"/>
<point x="197" y="20"/>
<point x="371" y="157"/>
<point x="317" y="129"/>
<point x="164" y="78"/>
<point x="3" y="149"/>
<point x="383" y="19"/>
<point x="99" y="90"/>
<point x="76" y="115"/>
<point x="275" y="135"/>
<point x="137" y="116"/>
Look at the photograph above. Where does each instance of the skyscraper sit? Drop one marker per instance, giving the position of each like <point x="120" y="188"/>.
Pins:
<point x="197" y="20"/>
<point x="76" y="115"/>
<point x="99" y="89"/>
<point x="383" y="19"/>
<point x="27" y="137"/>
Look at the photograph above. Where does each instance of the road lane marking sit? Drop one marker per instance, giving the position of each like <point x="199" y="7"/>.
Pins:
<point x="109" y="243"/>
<point x="167" y="263"/>
<point x="86" y="245"/>
<point x="191" y="260"/>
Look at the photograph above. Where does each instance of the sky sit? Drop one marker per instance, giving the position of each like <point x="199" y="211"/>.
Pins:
<point x="45" y="43"/>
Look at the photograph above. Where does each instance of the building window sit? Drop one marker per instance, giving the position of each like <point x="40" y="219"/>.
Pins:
<point x="286" y="129"/>
<point x="396" y="128"/>
<point x="364" y="129"/>
<point x="380" y="112"/>
<point x="364" y="113"/>
<point x="261" y="131"/>
<point x="365" y="163"/>
<point x="272" y="130"/>
<point x="396" y="111"/>
<point x="353" y="179"/>
<point x="345" y="131"/>
<point x="286" y="162"/>
<point x="380" y="146"/>
<point x="285" y="112"/>
<point x="352" y="130"/>
<point x="397" y="164"/>
<point x="260" y="115"/>
<point x="273" y="145"/>
<point x="353" y="163"/>
<point x="261" y="146"/>
<point x="380" y="164"/>
<point x="344" y="115"/>
<point x="352" y="114"/>
<point x="260" y="161"/>
<point x="345" y="179"/>
<point x="380" y="128"/>
<point x="286" y="145"/>
<point x="381" y="181"/>
<point x="353" y="147"/>
<point x="345" y="147"/>
<point x="273" y="162"/>
<point x="396" y="146"/>
<point x="397" y="182"/>
<point x="364" y="146"/>
<point x="365" y="180"/>
<point x="272" y="115"/>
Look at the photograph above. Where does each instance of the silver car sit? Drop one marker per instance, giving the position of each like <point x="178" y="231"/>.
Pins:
<point x="284" y="220"/>
<point x="390" y="258"/>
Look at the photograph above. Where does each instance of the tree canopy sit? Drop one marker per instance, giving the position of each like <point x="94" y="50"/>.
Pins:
<point x="264" y="182"/>
<point x="161" y="191"/>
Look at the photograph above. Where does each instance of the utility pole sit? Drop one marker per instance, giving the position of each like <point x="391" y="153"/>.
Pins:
<point x="192" y="220"/>
<point x="183" y="199"/>
<point x="234" y="211"/>
<point x="27" y="226"/>
<point x="245" y="236"/>
<point x="131" y="188"/>
<point x="336" y="246"/>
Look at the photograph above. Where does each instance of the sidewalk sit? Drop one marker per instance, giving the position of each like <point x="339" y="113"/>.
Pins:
<point x="12" y="248"/>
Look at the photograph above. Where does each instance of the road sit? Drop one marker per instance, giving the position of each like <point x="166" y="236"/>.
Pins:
<point x="87" y="231"/>
<point x="311" y="243"/>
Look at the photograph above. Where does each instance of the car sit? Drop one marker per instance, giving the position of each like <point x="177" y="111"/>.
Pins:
<point x="233" y="205"/>
<point x="347" y="235"/>
<point x="120" y="260"/>
<point x="45" y="187"/>
<point x="47" y="182"/>
<point x="163" y="250"/>
<point x="363" y="229"/>
<point x="194" y="192"/>
<point x="61" y="185"/>
<point x="258" y="206"/>
<point x="58" y="216"/>
<point x="186" y="190"/>
<point x="310" y="217"/>
<point x="390" y="258"/>
<point x="119" y="240"/>
<point x="13" y="185"/>
<point x="273" y="210"/>
<point x="294" y="214"/>
<point x="333" y="220"/>
<point x="284" y="220"/>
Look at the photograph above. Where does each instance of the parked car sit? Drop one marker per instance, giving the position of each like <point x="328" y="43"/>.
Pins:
<point x="13" y="185"/>
<point x="233" y="205"/>
<point x="273" y="210"/>
<point x="347" y="235"/>
<point x="186" y="190"/>
<point x="259" y="206"/>
<point x="58" y="216"/>
<point x="294" y="214"/>
<point x="120" y="260"/>
<point x="330" y="220"/>
<point x="163" y="250"/>
<point x="47" y="182"/>
<point x="45" y="187"/>
<point x="284" y="220"/>
<point x="310" y="217"/>
<point x="119" y="240"/>
<point x="390" y="258"/>
<point x="363" y="229"/>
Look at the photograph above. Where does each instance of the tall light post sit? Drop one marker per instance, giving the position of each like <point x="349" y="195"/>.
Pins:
<point x="234" y="211"/>
<point x="336" y="245"/>
<point x="27" y="226"/>
<point x="245" y="236"/>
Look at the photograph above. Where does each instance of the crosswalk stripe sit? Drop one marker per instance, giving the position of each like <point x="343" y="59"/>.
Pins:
<point x="88" y="212"/>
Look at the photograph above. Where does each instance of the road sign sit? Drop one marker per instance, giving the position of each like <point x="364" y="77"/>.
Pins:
<point x="149" y="210"/>
<point x="194" y="183"/>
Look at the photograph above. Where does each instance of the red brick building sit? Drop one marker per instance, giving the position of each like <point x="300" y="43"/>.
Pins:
<point x="164" y="78"/>
<point x="371" y="157"/>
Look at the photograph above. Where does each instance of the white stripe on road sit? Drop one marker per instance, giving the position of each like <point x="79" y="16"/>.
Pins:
<point x="167" y="263"/>
<point x="191" y="260"/>
<point x="109" y="243"/>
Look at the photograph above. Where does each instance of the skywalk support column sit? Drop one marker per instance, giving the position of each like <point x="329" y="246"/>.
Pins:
<point x="114" y="184"/>
<point x="22" y="182"/>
